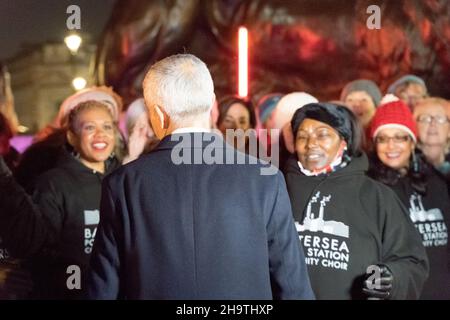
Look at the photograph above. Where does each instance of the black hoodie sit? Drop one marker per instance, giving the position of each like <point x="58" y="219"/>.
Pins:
<point x="63" y="223"/>
<point x="430" y="214"/>
<point x="347" y="222"/>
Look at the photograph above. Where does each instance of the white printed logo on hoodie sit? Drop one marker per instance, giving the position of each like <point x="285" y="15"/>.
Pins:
<point x="322" y="250"/>
<point x="430" y="223"/>
<point x="91" y="220"/>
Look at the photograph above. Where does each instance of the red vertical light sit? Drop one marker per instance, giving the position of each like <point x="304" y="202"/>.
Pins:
<point x="243" y="62"/>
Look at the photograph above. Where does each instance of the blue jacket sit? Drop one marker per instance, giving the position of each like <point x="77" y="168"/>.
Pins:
<point x="196" y="231"/>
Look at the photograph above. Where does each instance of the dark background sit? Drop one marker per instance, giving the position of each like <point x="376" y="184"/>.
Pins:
<point x="315" y="46"/>
<point x="34" y="21"/>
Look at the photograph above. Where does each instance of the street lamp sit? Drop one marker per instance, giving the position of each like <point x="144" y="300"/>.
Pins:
<point x="73" y="42"/>
<point x="79" y="83"/>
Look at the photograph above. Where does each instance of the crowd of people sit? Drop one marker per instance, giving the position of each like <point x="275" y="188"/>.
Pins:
<point x="362" y="186"/>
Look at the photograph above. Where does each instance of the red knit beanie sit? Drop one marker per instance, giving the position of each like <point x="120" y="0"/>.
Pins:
<point x="393" y="114"/>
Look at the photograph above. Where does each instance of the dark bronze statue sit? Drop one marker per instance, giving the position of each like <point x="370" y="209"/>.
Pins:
<point x="298" y="45"/>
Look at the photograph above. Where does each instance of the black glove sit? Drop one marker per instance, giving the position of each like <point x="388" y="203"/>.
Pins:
<point x="378" y="285"/>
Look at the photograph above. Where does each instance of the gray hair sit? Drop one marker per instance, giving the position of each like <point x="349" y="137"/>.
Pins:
<point x="182" y="85"/>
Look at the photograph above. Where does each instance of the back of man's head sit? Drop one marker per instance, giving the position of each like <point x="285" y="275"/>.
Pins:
<point x="181" y="85"/>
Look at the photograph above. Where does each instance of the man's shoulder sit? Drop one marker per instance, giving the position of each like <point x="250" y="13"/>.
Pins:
<point x="145" y="162"/>
<point x="159" y="161"/>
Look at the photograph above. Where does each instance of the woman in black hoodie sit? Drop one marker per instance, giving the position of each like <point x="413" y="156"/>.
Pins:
<point x="57" y="231"/>
<point x="69" y="199"/>
<point x="353" y="230"/>
<point x="419" y="186"/>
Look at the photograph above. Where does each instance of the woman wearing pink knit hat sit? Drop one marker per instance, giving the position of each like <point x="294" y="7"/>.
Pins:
<point x="43" y="153"/>
<point x="398" y="164"/>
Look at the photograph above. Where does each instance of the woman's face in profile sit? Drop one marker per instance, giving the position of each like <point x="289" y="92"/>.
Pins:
<point x="316" y="144"/>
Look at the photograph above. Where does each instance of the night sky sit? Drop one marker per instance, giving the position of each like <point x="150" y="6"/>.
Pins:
<point x="35" y="21"/>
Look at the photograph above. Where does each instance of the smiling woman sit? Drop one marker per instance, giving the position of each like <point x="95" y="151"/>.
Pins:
<point x="318" y="145"/>
<point x="397" y="164"/>
<point x="68" y="197"/>
<point x="334" y="202"/>
<point x="91" y="134"/>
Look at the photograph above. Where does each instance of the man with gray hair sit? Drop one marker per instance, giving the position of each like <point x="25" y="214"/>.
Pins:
<point x="193" y="229"/>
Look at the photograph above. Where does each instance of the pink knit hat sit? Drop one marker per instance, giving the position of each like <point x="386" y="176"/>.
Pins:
<point x="101" y="94"/>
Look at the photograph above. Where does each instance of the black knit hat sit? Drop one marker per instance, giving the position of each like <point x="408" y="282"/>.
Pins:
<point x="336" y="116"/>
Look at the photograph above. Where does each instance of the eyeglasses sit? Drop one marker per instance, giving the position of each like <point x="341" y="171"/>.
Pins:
<point x="426" y="118"/>
<point x="396" y="139"/>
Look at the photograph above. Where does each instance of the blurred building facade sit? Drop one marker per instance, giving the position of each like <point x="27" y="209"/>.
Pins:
<point x="41" y="78"/>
